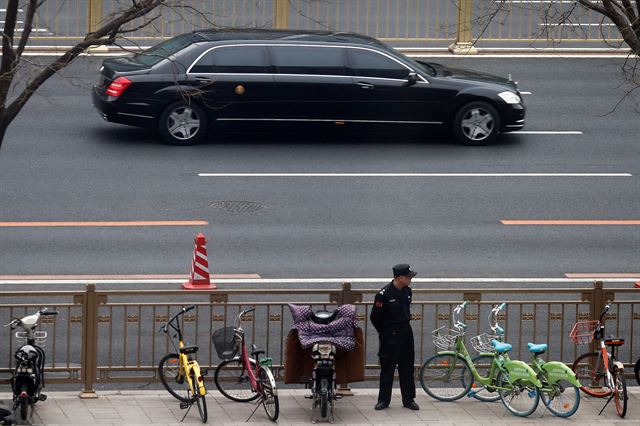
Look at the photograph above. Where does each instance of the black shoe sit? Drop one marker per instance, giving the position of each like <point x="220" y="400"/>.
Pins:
<point x="381" y="405"/>
<point x="411" y="405"/>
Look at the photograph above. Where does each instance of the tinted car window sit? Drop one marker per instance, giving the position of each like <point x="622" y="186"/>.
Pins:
<point x="165" y="49"/>
<point x="366" y="63"/>
<point x="308" y="60"/>
<point x="235" y="59"/>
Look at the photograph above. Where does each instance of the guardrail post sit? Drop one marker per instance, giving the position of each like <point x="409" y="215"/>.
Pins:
<point x="464" y="35"/>
<point x="94" y="15"/>
<point x="89" y="342"/>
<point x="346" y="296"/>
<point x="281" y="14"/>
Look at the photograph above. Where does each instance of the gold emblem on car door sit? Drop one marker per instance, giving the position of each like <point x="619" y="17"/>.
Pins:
<point x="240" y="89"/>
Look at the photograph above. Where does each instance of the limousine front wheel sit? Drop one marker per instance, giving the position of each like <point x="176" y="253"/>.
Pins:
<point x="476" y="123"/>
<point x="182" y="123"/>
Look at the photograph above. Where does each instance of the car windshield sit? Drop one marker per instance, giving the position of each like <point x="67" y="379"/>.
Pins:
<point x="163" y="50"/>
<point x="418" y="65"/>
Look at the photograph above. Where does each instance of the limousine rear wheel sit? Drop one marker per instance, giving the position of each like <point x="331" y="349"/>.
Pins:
<point x="476" y="123"/>
<point x="182" y="123"/>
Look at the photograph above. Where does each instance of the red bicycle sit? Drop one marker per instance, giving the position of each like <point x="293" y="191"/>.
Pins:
<point x="242" y="378"/>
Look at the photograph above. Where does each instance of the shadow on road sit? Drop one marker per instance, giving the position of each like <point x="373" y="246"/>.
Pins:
<point x="124" y="135"/>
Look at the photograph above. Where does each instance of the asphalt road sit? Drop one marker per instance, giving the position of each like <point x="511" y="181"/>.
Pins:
<point x="61" y="162"/>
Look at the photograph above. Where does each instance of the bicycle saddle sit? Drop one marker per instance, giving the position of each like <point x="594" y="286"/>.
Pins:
<point x="537" y="348"/>
<point x="187" y="350"/>
<point x="614" y="341"/>
<point x="501" y="347"/>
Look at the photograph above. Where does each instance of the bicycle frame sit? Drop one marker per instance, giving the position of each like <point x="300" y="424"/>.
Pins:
<point x="188" y="367"/>
<point x="604" y="353"/>
<point x="515" y="370"/>
<point x="256" y="386"/>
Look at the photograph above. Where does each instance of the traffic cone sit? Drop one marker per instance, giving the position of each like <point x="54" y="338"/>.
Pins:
<point x="199" y="278"/>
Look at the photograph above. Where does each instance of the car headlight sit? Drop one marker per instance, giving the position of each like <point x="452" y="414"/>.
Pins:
<point x="510" y="97"/>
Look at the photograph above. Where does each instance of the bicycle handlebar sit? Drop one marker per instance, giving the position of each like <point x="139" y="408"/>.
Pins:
<point x="456" y="322"/>
<point x="18" y="321"/>
<point x="605" y="310"/>
<point x="493" y="319"/>
<point x="183" y="311"/>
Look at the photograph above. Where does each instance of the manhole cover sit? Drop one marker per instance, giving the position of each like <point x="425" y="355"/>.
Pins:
<point x="238" y="206"/>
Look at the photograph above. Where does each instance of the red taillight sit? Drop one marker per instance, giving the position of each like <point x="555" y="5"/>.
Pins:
<point x="118" y="86"/>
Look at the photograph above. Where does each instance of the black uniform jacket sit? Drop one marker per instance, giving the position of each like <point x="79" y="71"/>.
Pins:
<point x="391" y="307"/>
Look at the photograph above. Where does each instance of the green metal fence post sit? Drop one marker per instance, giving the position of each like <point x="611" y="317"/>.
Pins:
<point x="464" y="34"/>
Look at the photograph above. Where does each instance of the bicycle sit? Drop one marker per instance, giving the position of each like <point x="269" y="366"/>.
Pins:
<point x="560" y="389"/>
<point x="241" y="378"/>
<point x="27" y="380"/>
<point x="180" y="374"/>
<point x="601" y="372"/>
<point x="451" y="373"/>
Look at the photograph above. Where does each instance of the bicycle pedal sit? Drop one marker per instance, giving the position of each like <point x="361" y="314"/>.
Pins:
<point x="42" y="397"/>
<point x="471" y="394"/>
<point x="184" y="405"/>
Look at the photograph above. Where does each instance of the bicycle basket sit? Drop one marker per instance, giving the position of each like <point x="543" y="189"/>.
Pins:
<point x="582" y="332"/>
<point x="40" y="337"/>
<point x="445" y="341"/>
<point x="225" y="342"/>
<point x="482" y="342"/>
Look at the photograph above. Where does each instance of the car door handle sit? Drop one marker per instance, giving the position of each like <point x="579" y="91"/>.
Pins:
<point x="364" y="85"/>
<point x="205" y="80"/>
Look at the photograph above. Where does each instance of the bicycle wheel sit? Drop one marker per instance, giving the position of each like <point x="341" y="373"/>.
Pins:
<point x="521" y="400"/>
<point x="232" y="380"/>
<point x="562" y="398"/>
<point x="173" y="379"/>
<point x="589" y="369"/>
<point x="620" y="395"/>
<point x="269" y="394"/>
<point x="24" y="406"/>
<point x="446" y="377"/>
<point x="636" y="370"/>
<point x="200" y="400"/>
<point x="483" y="366"/>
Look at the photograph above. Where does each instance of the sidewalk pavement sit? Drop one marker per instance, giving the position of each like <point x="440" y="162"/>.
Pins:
<point x="159" y="408"/>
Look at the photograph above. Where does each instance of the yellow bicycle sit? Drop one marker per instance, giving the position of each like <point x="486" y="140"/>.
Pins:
<point x="180" y="373"/>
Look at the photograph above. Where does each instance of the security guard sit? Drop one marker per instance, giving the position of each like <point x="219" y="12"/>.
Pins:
<point x="391" y="317"/>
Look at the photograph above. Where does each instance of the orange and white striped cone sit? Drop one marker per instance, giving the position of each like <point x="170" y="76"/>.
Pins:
<point x="199" y="278"/>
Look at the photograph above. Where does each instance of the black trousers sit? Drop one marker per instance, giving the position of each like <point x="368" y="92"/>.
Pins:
<point x="397" y="350"/>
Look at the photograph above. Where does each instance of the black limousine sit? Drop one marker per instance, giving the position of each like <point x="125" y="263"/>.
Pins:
<point x="185" y="86"/>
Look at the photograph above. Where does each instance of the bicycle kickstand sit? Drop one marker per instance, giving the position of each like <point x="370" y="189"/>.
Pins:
<point x="608" y="401"/>
<point x="186" y="406"/>
<point x="254" y="410"/>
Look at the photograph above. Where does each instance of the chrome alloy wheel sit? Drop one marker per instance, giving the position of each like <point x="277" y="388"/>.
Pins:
<point x="183" y="123"/>
<point x="477" y="124"/>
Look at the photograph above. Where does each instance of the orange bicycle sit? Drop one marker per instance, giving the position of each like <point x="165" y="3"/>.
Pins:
<point x="600" y="373"/>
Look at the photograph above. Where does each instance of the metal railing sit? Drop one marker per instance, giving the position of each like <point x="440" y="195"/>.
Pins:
<point x="110" y="336"/>
<point x="417" y="23"/>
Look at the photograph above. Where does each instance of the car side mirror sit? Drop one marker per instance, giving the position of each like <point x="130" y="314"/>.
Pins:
<point x="412" y="79"/>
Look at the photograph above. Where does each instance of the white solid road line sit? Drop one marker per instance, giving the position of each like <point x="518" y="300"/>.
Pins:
<point x="415" y="175"/>
<point x="546" y="132"/>
<point x="324" y="280"/>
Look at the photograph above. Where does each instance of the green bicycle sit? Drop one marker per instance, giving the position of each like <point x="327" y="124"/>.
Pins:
<point x="450" y="374"/>
<point x="560" y="391"/>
